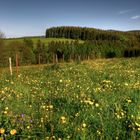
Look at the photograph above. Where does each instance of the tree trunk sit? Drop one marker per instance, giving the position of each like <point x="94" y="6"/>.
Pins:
<point x="56" y="57"/>
<point x="79" y="57"/>
<point x="70" y="58"/>
<point x="63" y="58"/>
<point x="88" y="57"/>
<point x="53" y="58"/>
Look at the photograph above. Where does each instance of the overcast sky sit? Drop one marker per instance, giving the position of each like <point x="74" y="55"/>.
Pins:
<point x="32" y="17"/>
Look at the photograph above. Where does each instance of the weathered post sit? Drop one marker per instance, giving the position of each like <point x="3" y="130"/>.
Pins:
<point x="10" y="66"/>
<point x="39" y="59"/>
<point x="17" y="63"/>
<point x="53" y="58"/>
<point x="63" y="58"/>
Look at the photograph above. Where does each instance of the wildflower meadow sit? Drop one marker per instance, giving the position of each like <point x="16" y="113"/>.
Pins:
<point x="91" y="100"/>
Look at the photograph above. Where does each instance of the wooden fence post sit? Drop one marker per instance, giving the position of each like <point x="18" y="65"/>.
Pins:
<point x="10" y="66"/>
<point x="56" y="58"/>
<point x="17" y="63"/>
<point x="39" y="59"/>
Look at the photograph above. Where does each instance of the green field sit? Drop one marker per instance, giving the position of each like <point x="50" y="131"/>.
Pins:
<point x="43" y="39"/>
<point x="97" y="99"/>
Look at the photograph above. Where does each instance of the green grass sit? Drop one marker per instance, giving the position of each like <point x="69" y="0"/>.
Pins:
<point x="43" y="39"/>
<point x="91" y="100"/>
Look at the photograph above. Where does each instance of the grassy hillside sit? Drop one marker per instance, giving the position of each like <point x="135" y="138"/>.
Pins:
<point x="92" y="100"/>
<point x="44" y="40"/>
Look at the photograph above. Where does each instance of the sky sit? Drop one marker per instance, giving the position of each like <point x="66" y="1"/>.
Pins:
<point x="32" y="17"/>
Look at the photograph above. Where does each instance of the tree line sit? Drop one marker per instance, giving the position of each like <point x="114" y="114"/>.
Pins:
<point x="103" y="46"/>
<point x="130" y="39"/>
<point x="81" y="33"/>
<point x="58" y="51"/>
<point x="76" y="51"/>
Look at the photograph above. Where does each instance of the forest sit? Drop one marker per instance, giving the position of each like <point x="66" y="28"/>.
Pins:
<point x="86" y="43"/>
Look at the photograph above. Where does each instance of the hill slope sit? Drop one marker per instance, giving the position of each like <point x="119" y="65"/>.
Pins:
<point x="42" y="39"/>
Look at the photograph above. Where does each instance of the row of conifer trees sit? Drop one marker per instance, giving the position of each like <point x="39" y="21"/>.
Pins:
<point x="96" y="44"/>
<point x="81" y="33"/>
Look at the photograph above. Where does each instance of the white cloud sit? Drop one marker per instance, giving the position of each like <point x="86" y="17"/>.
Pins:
<point x="135" y="17"/>
<point x="125" y="11"/>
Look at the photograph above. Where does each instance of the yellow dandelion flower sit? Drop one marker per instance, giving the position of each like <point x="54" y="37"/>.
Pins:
<point x="6" y="108"/>
<point x="97" y="105"/>
<point x="84" y="125"/>
<point x="77" y="114"/>
<point x="78" y="129"/>
<point x="126" y="84"/>
<point x="2" y="92"/>
<point x="5" y="112"/>
<point x="2" y="130"/>
<point x="12" y="82"/>
<point x="28" y="127"/>
<point x="137" y="124"/>
<point x="118" y="116"/>
<point x="13" y="131"/>
<point x="42" y="120"/>
<point x="51" y="106"/>
<point x="47" y="138"/>
<point x="129" y="101"/>
<point x="43" y="106"/>
<point x="122" y="113"/>
<point x="98" y="132"/>
<point x="63" y="120"/>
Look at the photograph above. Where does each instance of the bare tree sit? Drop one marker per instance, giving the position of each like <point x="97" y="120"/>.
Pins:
<point x="2" y="35"/>
<point x="2" y="49"/>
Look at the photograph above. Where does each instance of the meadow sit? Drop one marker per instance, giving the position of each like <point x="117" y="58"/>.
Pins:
<point x="98" y="99"/>
<point x="42" y="39"/>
